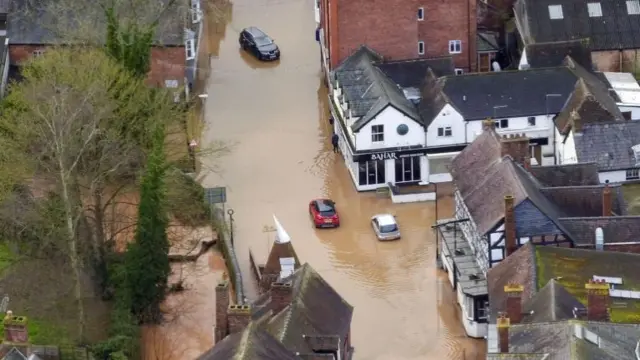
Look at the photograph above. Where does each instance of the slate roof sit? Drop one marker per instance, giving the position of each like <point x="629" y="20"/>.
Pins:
<point x="534" y="266"/>
<point x="566" y="175"/>
<point x="585" y="201"/>
<point x="543" y="55"/>
<point x="617" y="229"/>
<point x="40" y="22"/>
<point x="523" y="92"/>
<point x="559" y="340"/>
<point x="590" y="102"/>
<point x="552" y="303"/>
<point x="315" y="309"/>
<point x="433" y="98"/>
<point x="608" y="144"/>
<point x="251" y="344"/>
<point x="367" y="90"/>
<point x="411" y="73"/>
<point x="616" y="29"/>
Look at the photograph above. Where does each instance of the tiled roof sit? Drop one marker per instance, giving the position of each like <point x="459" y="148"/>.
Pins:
<point x="534" y="266"/>
<point x="368" y="90"/>
<point x="432" y="98"/>
<point x="616" y="229"/>
<point x="278" y="251"/>
<point x="544" y="55"/>
<point x="523" y="92"/>
<point x="608" y="144"/>
<point x="552" y="303"/>
<point x="251" y="344"/>
<point x="590" y="102"/>
<point x="513" y="356"/>
<point x="566" y="175"/>
<point x="585" y="201"/>
<point x="411" y="73"/>
<point x="560" y="341"/>
<point x="316" y="309"/>
<point x="615" y="29"/>
<point x="41" y="22"/>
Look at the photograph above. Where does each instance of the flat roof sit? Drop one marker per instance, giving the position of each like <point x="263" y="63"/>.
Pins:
<point x="622" y="81"/>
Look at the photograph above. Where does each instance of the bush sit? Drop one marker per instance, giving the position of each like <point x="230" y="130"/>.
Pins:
<point x="186" y="200"/>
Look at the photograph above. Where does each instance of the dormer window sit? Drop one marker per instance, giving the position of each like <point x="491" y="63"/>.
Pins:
<point x="555" y="12"/>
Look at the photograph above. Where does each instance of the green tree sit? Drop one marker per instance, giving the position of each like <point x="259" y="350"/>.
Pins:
<point x="147" y="259"/>
<point x="129" y="44"/>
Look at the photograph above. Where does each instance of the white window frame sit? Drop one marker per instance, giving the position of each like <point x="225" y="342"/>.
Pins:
<point x="455" y="46"/>
<point x="190" y="49"/>
<point x="458" y="71"/>
<point x="633" y="7"/>
<point x="377" y="136"/>
<point x="196" y="11"/>
<point x="420" y="47"/>
<point x="420" y="14"/>
<point x="594" y="9"/>
<point x="446" y="131"/>
<point x="531" y="121"/>
<point x="498" y="122"/>
<point x="483" y="311"/>
<point x="633" y="174"/>
<point x="38" y="52"/>
<point x="555" y="12"/>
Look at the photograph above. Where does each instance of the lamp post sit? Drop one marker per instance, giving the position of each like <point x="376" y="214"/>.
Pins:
<point x="546" y="108"/>
<point x="231" y="212"/>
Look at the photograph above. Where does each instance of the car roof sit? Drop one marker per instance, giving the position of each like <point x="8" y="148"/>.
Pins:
<point x="254" y="31"/>
<point x="385" y="219"/>
<point x="327" y="202"/>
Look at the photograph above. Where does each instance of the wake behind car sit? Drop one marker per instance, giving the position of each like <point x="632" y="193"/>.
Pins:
<point x="259" y="44"/>
<point x="323" y="213"/>
<point x="385" y="227"/>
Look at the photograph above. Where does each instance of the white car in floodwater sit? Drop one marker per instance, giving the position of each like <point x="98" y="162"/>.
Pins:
<point x="385" y="227"/>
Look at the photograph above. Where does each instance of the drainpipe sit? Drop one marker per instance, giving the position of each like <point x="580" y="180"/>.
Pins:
<point x="466" y="123"/>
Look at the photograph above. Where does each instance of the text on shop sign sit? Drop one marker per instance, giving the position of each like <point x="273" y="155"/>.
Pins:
<point x="384" y="156"/>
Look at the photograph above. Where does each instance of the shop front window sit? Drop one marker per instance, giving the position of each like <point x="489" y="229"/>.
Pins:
<point x="407" y="169"/>
<point x="371" y="172"/>
<point x="440" y="165"/>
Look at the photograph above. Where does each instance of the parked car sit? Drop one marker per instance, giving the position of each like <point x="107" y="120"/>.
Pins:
<point x="385" y="227"/>
<point x="259" y="44"/>
<point x="323" y="213"/>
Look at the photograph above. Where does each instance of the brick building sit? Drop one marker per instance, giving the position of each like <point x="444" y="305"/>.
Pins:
<point x="33" y="26"/>
<point x="399" y="29"/>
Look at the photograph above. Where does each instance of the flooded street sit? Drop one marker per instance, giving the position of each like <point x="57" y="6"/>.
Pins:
<point x="274" y="116"/>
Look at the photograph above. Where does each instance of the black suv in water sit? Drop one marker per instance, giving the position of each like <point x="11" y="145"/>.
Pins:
<point x="259" y="44"/>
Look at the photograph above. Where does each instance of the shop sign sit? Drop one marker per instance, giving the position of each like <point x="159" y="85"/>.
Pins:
<point x="384" y="156"/>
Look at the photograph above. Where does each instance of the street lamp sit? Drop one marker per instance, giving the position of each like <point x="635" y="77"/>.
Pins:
<point x="231" y="212"/>
<point x="546" y="107"/>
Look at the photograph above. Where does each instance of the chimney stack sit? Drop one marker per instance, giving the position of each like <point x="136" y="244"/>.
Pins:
<point x="222" y="304"/>
<point x="239" y="317"/>
<point x="503" y="325"/>
<point x="488" y="124"/>
<point x="607" y="202"/>
<point x="281" y="294"/>
<point x="15" y="329"/>
<point x="509" y="226"/>
<point x="514" y="302"/>
<point x="597" y="300"/>
<point x="516" y="146"/>
<point x="527" y="163"/>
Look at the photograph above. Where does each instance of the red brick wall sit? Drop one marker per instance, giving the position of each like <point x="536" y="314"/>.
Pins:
<point x="391" y="28"/>
<point x="167" y="63"/>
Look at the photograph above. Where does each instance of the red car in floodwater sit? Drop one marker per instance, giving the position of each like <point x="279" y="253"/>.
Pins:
<point x="323" y="213"/>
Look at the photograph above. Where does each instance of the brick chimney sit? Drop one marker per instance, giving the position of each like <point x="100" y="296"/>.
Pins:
<point x="15" y="328"/>
<point x="503" y="324"/>
<point x="607" y="202"/>
<point x="222" y="304"/>
<point x="488" y="124"/>
<point x="281" y="294"/>
<point x="509" y="226"/>
<point x="239" y="317"/>
<point x="516" y="146"/>
<point x="597" y="300"/>
<point x="527" y="163"/>
<point x="514" y="302"/>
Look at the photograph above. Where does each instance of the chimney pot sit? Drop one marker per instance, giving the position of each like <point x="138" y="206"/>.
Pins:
<point x="488" y="124"/>
<point x="509" y="225"/>
<point x="15" y="328"/>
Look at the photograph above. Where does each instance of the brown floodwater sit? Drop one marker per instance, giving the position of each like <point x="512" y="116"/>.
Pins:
<point x="274" y="117"/>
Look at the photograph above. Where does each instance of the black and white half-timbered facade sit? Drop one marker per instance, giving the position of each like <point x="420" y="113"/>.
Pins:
<point x="502" y="203"/>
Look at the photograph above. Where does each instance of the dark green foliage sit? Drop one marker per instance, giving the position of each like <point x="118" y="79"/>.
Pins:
<point x="130" y="45"/>
<point x="147" y="260"/>
<point x="186" y="200"/>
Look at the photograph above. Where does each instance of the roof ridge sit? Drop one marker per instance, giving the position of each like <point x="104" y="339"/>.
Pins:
<point x="625" y="217"/>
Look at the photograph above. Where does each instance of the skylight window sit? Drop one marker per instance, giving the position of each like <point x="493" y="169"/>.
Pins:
<point x="595" y="9"/>
<point x="555" y="11"/>
<point x="633" y="7"/>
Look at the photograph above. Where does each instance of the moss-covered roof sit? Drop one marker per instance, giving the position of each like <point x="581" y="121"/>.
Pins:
<point x="573" y="268"/>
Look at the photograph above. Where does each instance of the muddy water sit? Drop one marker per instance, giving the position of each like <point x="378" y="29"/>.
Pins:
<point x="274" y="115"/>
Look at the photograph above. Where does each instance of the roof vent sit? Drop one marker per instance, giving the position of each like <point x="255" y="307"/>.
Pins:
<point x="599" y="239"/>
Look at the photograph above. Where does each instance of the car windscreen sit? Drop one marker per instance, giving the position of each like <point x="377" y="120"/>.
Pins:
<point x="388" y="228"/>
<point x="326" y="208"/>
<point x="263" y="41"/>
